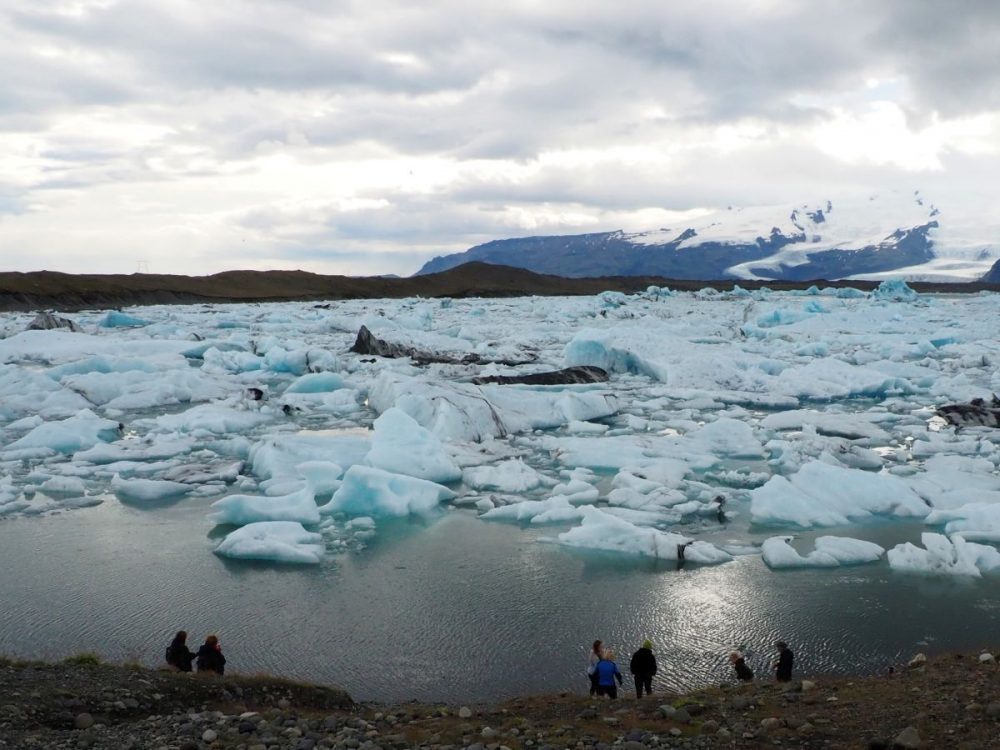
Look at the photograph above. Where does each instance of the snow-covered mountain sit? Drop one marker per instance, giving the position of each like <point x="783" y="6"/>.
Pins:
<point x="880" y="236"/>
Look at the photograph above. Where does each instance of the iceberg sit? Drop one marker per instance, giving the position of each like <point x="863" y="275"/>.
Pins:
<point x="368" y="491"/>
<point x="401" y="446"/>
<point x="147" y="491"/>
<point x="510" y="476"/>
<point x="944" y="556"/>
<point x="84" y="430"/>
<point x="277" y="541"/>
<point x="830" y="552"/>
<point x="240" y="510"/>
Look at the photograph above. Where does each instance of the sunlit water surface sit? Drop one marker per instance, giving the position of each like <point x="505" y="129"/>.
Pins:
<point x="456" y="609"/>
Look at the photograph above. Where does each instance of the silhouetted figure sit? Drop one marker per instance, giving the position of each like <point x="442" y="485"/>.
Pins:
<point x="681" y="554"/>
<point x="643" y="667"/>
<point x="593" y="658"/>
<point x="210" y="658"/>
<point x="719" y="512"/>
<point x="607" y="673"/>
<point x="783" y="666"/>
<point x="178" y="655"/>
<point x="743" y="672"/>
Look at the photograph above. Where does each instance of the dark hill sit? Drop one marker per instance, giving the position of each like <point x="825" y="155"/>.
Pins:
<point x="51" y="290"/>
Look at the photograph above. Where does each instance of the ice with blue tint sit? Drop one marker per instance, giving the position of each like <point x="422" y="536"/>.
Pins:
<point x="239" y="510"/>
<point x="118" y="319"/>
<point x="276" y="541"/>
<point x="820" y="494"/>
<point x="942" y="555"/>
<point x="368" y="491"/>
<point x="830" y="552"/>
<point x="798" y="409"/>
<point x="400" y="445"/>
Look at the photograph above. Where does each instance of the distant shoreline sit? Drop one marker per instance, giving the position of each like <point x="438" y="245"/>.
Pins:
<point x="47" y="290"/>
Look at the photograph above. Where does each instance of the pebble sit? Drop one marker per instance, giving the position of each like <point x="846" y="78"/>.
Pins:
<point x="908" y="739"/>
<point x="465" y="712"/>
<point x="209" y="735"/>
<point x="83" y="721"/>
<point x="986" y="658"/>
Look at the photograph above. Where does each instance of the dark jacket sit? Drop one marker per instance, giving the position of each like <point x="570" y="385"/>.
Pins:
<point x="643" y="663"/>
<point x="607" y="672"/>
<point x="743" y="672"/>
<point x="783" y="671"/>
<point x="179" y="656"/>
<point x="210" y="659"/>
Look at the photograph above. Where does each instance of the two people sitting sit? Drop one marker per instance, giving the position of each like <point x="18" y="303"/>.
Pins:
<point x="209" y="657"/>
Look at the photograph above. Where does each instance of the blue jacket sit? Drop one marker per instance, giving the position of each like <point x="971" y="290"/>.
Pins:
<point x="607" y="672"/>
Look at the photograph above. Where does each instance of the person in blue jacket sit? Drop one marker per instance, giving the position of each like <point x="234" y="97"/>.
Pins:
<point x="607" y="672"/>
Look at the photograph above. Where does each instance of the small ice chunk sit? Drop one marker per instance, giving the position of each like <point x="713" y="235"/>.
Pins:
<point x="278" y="541"/>
<point x="240" y="510"/>
<point x="316" y="382"/>
<point x="147" y="491"/>
<point x="63" y="486"/>
<point x="507" y="476"/>
<point x="84" y="430"/>
<point x="400" y="445"/>
<point x="368" y="491"/>
<point x="830" y="552"/>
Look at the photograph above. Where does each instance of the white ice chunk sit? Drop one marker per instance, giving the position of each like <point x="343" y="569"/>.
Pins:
<point x="278" y="455"/>
<point x="944" y="556"/>
<point x="278" y="541"/>
<point x="63" y="486"/>
<point x="820" y="494"/>
<point x="826" y="423"/>
<point x="507" y="476"/>
<point x="240" y="510"/>
<point x="368" y="491"/>
<point x="316" y="382"/>
<point x="147" y="491"/>
<point x="323" y="477"/>
<point x="604" y="531"/>
<point x="830" y="552"/>
<point x="401" y="446"/>
<point x="84" y="430"/>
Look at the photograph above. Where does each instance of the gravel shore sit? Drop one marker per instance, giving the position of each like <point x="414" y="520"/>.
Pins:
<point x="949" y="701"/>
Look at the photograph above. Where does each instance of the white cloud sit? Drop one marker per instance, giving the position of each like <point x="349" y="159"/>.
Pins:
<point x="365" y="137"/>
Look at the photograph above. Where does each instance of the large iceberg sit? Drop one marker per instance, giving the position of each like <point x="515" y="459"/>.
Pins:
<point x="278" y="541"/>
<point x="400" y="445"/>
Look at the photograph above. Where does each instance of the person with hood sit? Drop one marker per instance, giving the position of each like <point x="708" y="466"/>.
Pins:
<point x="178" y="655"/>
<point x="643" y="667"/>
<point x="743" y="672"/>
<point x="607" y="673"/>
<point x="783" y="666"/>
<point x="210" y="658"/>
<point x="594" y="657"/>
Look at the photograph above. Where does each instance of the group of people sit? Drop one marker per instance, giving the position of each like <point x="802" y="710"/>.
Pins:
<point x="209" y="657"/>
<point x="605" y="677"/>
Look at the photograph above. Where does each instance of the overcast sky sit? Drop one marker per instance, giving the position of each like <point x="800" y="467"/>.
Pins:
<point x="193" y="136"/>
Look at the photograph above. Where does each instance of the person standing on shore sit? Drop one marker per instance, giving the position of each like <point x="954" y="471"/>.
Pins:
<point x="783" y="666"/>
<point x="178" y="655"/>
<point x="743" y="672"/>
<point x="643" y="667"/>
<point x="593" y="658"/>
<point x="210" y="658"/>
<point x="607" y="673"/>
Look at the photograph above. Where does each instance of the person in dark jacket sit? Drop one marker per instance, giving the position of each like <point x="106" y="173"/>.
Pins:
<point x="178" y="655"/>
<point x="210" y="658"/>
<point x="607" y="673"/>
<point x="643" y="667"/>
<point x="743" y="672"/>
<point x="594" y="657"/>
<point x="783" y="666"/>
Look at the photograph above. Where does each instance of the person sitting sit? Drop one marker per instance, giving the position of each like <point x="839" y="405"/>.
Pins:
<point x="743" y="672"/>
<point x="210" y="658"/>
<point x="178" y="655"/>
<point x="607" y="673"/>
<point x="783" y="666"/>
<point x="643" y="667"/>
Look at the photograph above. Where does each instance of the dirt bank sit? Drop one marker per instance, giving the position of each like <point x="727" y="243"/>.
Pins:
<point x="953" y="701"/>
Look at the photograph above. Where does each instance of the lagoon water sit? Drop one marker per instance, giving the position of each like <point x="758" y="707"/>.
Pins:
<point x="455" y="609"/>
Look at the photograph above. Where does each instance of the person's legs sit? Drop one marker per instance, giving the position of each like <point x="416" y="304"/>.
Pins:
<point x="647" y="682"/>
<point x="593" y="684"/>
<point x="638" y="686"/>
<point x="612" y="691"/>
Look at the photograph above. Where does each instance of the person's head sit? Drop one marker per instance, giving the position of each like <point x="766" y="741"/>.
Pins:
<point x="181" y="636"/>
<point x="735" y="656"/>
<point x="648" y="644"/>
<point x="781" y="645"/>
<point x="609" y="654"/>
<point x="597" y="647"/>
<point x="212" y="640"/>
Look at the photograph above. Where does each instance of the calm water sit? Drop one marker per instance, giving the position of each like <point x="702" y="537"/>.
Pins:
<point x="455" y="609"/>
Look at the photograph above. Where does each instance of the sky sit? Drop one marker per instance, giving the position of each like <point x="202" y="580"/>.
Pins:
<point x="184" y="136"/>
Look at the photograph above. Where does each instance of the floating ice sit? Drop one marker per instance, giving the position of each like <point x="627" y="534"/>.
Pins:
<point x="400" y="445"/>
<point x="603" y="531"/>
<point x="944" y="556"/>
<point x="279" y="455"/>
<point x="84" y="430"/>
<point x="147" y="491"/>
<point x="116" y="319"/>
<point x="63" y="486"/>
<point x="316" y="382"/>
<point x="367" y="491"/>
<point x="826" y="423"/>
<point x="823" y="495"/>
<point x="830" y="552"/>
<point x="278" y="541"/>
<point x="507" y="476"/>
<point x="240" y="510"/>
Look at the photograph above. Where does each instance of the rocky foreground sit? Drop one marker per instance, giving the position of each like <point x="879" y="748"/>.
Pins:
<point x="951" y="701"/>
